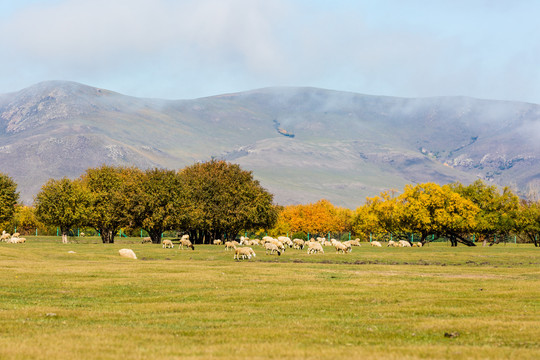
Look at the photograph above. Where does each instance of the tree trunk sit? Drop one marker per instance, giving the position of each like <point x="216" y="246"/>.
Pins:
<point x="155" y="235"/>
<point x="107" y="236"/>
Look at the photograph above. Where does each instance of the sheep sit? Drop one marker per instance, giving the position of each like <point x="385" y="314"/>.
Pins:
<point x="376" y="243"/>
<point x="298" y="243"/>
<point x="272" y="248"/>
<point x="127" y="253"/>
<point x="314" y="247"/>
<point x="81" y="234"/>
<point x="254" y="242"/>
<point x="404" y="243"/>
<point x="278" y="244"/>
<point x="217" y="242"/>
<point x="355" y="242"/>
<point x="5" y="236"/>
<point x="146" y="240"/>
<point x="417" y="244"/>
<point x="186" y="242"/>
<point x="392" y="243"/>
<point x="285" y="241"/>
<point x="244" y="252"/>
<point x="341" y="247"/>
<point x="321" y="239"/>
<point x="243" y="240"/>
<point x="167" y="243"/>
<point x="16" y="235"/>
<point x="229" y="245"/>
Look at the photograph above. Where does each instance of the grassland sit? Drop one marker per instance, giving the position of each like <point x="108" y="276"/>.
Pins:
<point x="388" y="303"/>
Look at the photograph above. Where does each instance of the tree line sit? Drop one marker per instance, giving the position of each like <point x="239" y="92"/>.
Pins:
<point x="218" y="200"/>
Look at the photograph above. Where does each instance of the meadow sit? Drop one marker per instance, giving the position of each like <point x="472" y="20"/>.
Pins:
<point x="435" y="302"/>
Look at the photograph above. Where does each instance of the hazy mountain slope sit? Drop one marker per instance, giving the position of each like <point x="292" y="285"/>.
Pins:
<point x="346" y="146"/>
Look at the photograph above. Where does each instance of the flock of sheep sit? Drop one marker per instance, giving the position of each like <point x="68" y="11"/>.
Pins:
<point x="242" y="249"/>
<point x="12" y="239"/>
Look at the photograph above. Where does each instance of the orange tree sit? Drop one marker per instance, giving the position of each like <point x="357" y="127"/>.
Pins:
<point x="317" y="218"/>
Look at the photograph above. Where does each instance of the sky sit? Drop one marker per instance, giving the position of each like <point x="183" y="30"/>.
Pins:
<point x="186" y="49"/>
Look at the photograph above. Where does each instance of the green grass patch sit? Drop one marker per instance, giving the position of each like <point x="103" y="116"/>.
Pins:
<point x="383" y="303"/>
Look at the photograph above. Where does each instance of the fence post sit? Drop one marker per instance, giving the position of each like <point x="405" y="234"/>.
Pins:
<point x="36" y="231"/>
<point x="412" y="237"/>
<point x="349" y="236"/>
<point x="78" y="232"/>
<point x="56" y="231"/>
<point x="369" y="237"/>
<point x="308" y="236"/>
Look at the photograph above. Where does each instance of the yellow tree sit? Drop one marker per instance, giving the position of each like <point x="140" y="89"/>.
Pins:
<point x="433" y="209"/>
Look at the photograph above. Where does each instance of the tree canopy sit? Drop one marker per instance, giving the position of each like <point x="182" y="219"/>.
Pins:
<point x="8" y="198"/>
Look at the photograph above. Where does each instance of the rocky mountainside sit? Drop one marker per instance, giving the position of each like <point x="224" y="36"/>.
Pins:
<point x="303" y="144"/>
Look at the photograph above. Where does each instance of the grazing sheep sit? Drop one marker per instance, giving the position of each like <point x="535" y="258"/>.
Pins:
<point x="146" y="240"/>
<point x="314" y="247"/>
<point x="285" y="241"/>
<point x="229" y="245"/>
<point x="298" y="244"/>
<point x="341" y="247"/>
<point x="16" y="235"/>
<point x="404" y="243"/>
<point x="217" y="242"/>
<point x="127" y="253"/>
<point x="5" y="236"/>
<point x="272" y="248"/>
<point x="167" y="244"/>
<point x="418" y="244"/>
<point x="81" y="234"/>
<point x="243" y="252"/>
<point x="392" y="243"/>
<point x="376" y="243"/>
<point x="355" y="242"/>
<point x="186" y="242"/>
<point x="254" y="242"/>
<point x="243" y="240"/>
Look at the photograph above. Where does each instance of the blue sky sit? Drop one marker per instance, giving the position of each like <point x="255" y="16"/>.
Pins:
<point x="193" y="48"/>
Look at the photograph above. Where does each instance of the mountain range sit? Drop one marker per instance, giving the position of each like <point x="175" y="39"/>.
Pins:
<point x="303" y="144"/>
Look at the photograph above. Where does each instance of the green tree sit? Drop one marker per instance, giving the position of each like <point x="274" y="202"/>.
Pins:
<point x="62" y="203"/>
<point x="498" y="213"/>
<point x="528" y="221"/>
<point x="110" y="189"/>
<point x="8" y="198"/>
<point x="222" y="199"/>
<point x="157" y="203"/>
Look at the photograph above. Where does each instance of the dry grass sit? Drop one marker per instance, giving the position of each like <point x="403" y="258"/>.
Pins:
<point x="374" y="303"/>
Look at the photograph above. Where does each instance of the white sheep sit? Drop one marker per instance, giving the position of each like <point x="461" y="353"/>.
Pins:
<point x="127" y="253"/>
<point x="186" y="242"/>
<point x="392" y="243"/>
<point x="355" y="242"/>
<point x="243" y="252"/>
<point x="229" y="245"/>
<point x="314" y="247"/>
<point x="167" y="244"/>
<point x="217" y="242"/>
<point x="404" y="243"/>
<point x="341" y="247"/>
<point x="272" y="248"/>
<point x="285" y="240"/>
<point x="376" y="243"/>
<point x="146" y="240"/>
<point x="298" y="243"/>
<point x="417" y="244"/>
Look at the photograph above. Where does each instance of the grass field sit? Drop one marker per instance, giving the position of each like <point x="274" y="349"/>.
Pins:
<point x="375" y="303"/>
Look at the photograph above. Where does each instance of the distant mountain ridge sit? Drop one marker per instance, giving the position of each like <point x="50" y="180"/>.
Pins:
<point x="346" y="146"/>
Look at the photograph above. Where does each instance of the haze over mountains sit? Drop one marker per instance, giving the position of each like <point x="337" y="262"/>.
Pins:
<point x="345" y="147"/>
